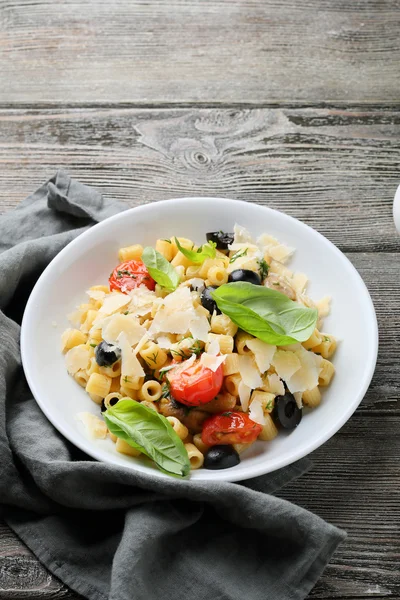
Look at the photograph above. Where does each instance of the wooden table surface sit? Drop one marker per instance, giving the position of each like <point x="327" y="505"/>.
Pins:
<point x="290" y="104"/>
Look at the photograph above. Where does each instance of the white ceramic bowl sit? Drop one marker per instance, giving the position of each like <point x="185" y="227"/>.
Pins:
<point x="90" y="258"/>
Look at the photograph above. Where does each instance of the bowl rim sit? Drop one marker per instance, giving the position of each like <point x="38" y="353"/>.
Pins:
<point x="258" y="469"/>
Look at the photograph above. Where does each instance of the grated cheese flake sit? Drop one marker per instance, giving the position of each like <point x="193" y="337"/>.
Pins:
<point x="306" y="378"/>
<point x="77" y="358"/>
<point x="116" y="324"/>
<point x="199" y="327"/>
<point x="94" y="426"/>
<point x="210" y="361"/>
<point x="244" y="395"/>
<point x="286" y="363"/>
<point x="263" y="353"/>
<point x="275" y="385"/>
<point x="249" y="372"/>
<point x="130" y="365"/>
<point x="256" y="412"/>
<point x="96" y="294"/>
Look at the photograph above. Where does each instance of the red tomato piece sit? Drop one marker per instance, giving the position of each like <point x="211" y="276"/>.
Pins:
<point x="230" y="428"/>
<point x="195" y="384"/>
<point x="129" y="275"/>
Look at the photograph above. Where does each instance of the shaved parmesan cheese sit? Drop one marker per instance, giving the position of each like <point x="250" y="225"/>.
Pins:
<point x="95" y="427"/>
<point x="199" y="327"/>
<point x="263" y="353"/>
<point x="249" y="372"/>
<point x="286" y="363"/>
<point x="164" y="341"/>
<point x="142" y="343"/>
<point x="324" y="306"/>
<point x="77" y="358"/>
<point x="239" y="246"/>
<point x="298" y="396"/>
<point x="141" y="301"/>
<point x="112" y="303"/>
<point x="130" y="366"/>
<point x="116" y="324"/>
<point x="244" y="395"/>
<point x="76" y="317"/>
<point x="211" y="361"/>
<point x="306" y="378"/>
<point x="176" y="313"/>
<point x="256" y="412"/>
<point x="275" y="385"/>
<point x="299" y="282"/>
<point x="244" y="262"/>
<point x="96" y="294"/>
<point x="241" y="235"/>
<point x="281" y="252"/>
<point x="213" y="347"/>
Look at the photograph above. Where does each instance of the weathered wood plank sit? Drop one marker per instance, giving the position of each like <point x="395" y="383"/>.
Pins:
<point x="354" y="483"/>
<point x="188" y="51"/>
<point x="337" y="170"/>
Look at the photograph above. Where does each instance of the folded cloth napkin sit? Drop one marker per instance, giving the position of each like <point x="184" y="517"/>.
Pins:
<point x="108" y="532"/>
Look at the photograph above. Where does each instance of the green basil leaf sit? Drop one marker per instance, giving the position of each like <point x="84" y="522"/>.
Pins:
<point x="151" y="433"/>
<point x="160" y="269"/>
<point x="267" y="314"/>
<point x="200" y="255"/>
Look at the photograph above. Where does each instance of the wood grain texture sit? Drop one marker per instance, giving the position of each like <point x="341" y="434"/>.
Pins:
<point x="336" y="170"/>
<point x="354" y="482"/>
<point x="256" y="51"/>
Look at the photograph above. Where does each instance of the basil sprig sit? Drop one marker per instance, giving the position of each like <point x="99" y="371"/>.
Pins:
<point x="151" y="433"/>
<point x="200" y="255"/>
<point x="160" y="269"/>
<point x="267" y="314"/>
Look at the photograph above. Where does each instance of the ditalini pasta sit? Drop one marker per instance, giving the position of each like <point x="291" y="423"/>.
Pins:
<point x="209" y="347"/>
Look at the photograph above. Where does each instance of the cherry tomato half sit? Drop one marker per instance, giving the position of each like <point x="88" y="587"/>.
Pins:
<point x="129" y="275"/>
<point x="230" y="428"/>
<point x="195" y="384"/>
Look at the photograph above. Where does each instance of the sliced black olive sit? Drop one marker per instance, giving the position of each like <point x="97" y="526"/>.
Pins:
<point x="244" y="275"/>
<point x="286" y="412"/>
<point x="106" y="354"/>
<point x="221" y="238"/>
<point x="207" y="301"/>
<point x="112" y="402"/>
<point x="221" y="457"/>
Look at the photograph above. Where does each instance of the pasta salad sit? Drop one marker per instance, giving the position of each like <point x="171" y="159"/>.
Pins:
<point x="194" y="353"/>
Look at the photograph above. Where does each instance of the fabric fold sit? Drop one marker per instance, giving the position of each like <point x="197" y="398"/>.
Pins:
<point x="109" y="532"/>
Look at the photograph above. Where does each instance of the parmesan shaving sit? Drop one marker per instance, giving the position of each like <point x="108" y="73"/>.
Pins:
<point x="95" y="427"/>
<point x="213" y="347"/>
<point x="211" y="361"/>
<point x="263" y="353"/>
<point x="116" y="324"/>
<point x="275" y="385"/>
<point x="249" y="372"/>
<point x="241" y="235"/>
<point x="142" y="301"/>
<point x="130" y="366"/>
<point x="299" y="282"/>
<point x="286" y="363"/>
<point x="77" y="358"/>
<point x="112" y="303"/>
<point x="256" y="412"/>
<point x="96" y="294"/>
<point x="324" y="306"/>
<point x="199" y="327"/>
<point x="244" y="395"/>
<point x="164" y="342"/>
<point x="306" y="378"/>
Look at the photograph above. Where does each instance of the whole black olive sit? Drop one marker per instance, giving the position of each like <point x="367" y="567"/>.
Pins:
<point x="221" y="457"/>
<point x="207" y="301"/>
<point x="106" y="354"/>
<point x="244" y="275"/>
<point x="286" y="412"/>
<point x="222" y="239"/>
<point x="112" y="402"/>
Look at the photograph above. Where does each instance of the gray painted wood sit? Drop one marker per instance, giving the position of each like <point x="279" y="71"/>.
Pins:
<point x="337" y="170"/>
<point x="234" y="51"/>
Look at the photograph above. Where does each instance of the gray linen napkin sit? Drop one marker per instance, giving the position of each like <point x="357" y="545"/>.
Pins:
<point x="111" y="533"/>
